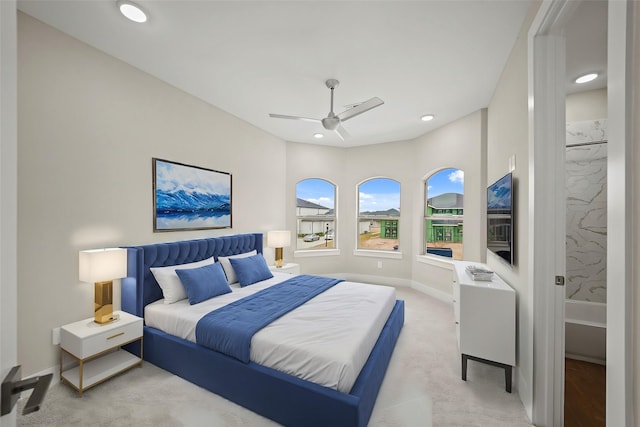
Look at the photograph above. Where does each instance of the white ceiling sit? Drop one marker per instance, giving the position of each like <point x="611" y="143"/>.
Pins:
<point x="586" y="47"/>
<point x="252" y="58"/>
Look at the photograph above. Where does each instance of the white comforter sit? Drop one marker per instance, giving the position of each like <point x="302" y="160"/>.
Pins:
<point x="327" y="340"/>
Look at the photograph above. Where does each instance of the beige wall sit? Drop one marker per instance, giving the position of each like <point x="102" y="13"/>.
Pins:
<point x="316" y="161"/>
<point x="88" y="126"/>
<point x="460" y="144"/>
<point x="508" y="135"/>
<point x="587" y="105"/>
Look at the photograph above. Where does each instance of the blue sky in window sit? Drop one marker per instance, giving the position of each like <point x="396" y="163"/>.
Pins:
<point x="446" y="181"/>
<point x="316" y="191"/>
<point x="379" y="194"/>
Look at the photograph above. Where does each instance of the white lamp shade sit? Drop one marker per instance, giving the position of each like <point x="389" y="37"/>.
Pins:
<point x="100" y="265"/>
<point x="279" y="239"/>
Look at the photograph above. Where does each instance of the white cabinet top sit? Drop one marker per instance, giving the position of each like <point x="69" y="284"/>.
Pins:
<point x="464" y="278"/>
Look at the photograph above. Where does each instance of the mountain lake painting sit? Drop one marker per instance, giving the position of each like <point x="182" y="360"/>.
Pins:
<point x="190" y="197"/>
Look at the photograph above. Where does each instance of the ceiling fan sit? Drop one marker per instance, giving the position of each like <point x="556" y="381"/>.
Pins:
<point x="334" y="121"/>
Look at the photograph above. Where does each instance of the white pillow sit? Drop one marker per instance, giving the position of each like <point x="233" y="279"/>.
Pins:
<point x="169" y="281"/>
<point x="228" y="269"/>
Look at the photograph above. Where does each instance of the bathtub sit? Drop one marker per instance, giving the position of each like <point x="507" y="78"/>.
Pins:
<point x="586" y="331"/>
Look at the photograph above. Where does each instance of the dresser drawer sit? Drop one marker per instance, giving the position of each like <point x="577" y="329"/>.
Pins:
<point x="113" y="335"/>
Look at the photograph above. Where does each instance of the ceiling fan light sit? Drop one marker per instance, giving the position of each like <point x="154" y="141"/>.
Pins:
<point x="330" y="123"/>
<point x="427" y="117"/>
<point x="132" y="11"/>
<point x="586" y="78"/>
<point x="318" y="135"/>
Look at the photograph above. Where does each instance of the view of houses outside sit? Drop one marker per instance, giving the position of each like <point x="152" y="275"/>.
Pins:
<point x="379" y="214"/>
<point x="444" y="212"/>
<point x="315" y="212"/>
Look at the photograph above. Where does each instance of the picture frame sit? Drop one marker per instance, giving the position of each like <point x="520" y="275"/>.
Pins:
<point x="187" y="197"/>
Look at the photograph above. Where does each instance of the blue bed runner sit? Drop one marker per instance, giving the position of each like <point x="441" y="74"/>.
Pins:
<point x="229" y="329"/>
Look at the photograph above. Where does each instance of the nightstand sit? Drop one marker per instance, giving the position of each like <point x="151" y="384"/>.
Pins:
<point x="96" y="351"/>
<point x="289" y="268"/>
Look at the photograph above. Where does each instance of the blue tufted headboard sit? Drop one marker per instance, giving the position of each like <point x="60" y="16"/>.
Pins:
<point x="140" y="288"/>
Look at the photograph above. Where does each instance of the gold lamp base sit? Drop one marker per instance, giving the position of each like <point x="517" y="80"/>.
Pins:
<point x="278" y="257"/>
<point x="103" y="307"/>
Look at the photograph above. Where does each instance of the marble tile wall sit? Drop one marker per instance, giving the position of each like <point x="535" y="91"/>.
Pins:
<point x="586" y="175"/>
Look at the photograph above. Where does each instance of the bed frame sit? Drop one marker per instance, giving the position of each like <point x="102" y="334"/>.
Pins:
<point x="283" y="398"/>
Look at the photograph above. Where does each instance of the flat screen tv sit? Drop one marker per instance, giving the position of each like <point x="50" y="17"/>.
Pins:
<point x="500" y="218"/>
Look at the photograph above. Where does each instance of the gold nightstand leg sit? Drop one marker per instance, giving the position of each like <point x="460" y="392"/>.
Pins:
<point x="80" y="379"/>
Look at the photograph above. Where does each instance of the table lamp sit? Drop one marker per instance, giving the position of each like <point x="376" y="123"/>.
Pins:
<point x="101" y="266"/>
<point x="279" y="239"/>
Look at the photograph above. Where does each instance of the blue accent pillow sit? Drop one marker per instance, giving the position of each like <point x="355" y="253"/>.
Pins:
<point x="204" y="282"/>
<point x="251" y="269"/>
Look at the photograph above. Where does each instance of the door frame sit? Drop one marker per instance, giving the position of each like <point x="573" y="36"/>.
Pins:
<point x="620" y="374"/>
<point x="546" y="115"/>
<point x="547" y="200"/>
<point x="8" y="193"/>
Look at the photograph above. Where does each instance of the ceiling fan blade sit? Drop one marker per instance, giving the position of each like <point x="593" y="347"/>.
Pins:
<point x="359" y="109"/>
<point x="342" y="133"/>
<point x="306" y="119"/>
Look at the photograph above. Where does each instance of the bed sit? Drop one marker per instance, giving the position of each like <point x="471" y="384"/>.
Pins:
<point x="282" y="397"/>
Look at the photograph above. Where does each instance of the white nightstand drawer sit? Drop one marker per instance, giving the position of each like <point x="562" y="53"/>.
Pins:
<point x="87" y="338"/>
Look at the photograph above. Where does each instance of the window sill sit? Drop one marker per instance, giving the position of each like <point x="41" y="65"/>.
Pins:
<point x="316" y="252"/>
<point x="378" y="254"/>
<point x="435" y="260"/>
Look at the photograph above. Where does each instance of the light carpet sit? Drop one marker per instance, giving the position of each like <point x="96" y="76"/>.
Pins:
<point x="422" y="388"/>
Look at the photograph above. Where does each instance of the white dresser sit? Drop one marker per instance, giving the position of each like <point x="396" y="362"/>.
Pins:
<point x="485" y="315"/>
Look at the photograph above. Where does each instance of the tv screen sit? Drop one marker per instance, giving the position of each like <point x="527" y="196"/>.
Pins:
<point x="500" y="218"/>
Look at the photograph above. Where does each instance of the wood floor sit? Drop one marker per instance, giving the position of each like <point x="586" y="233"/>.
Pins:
<point x="584" y="394"/>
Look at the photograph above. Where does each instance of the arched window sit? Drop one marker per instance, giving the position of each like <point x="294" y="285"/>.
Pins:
<point x="316" y="214"/>
<point x="379" y="214"/>
<point x="444" y="213"/>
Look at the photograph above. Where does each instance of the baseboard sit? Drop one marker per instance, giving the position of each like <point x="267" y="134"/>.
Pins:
<point x="432" y="292"/>
<point x="585" y="358"/>
<point x="523" y="390"/>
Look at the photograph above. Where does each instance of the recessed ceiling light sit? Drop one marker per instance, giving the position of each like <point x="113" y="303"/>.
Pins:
<point x="586" y="78"/>
<point x="427" y="117"/>
<point x="318" y="135"/>
<point x="132" y="11"/>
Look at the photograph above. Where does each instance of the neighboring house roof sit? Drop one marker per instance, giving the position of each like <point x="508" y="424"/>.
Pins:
<point x="307" y="204"/>
<point x="388" y="212"/>
<point x="447" y="201"/>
